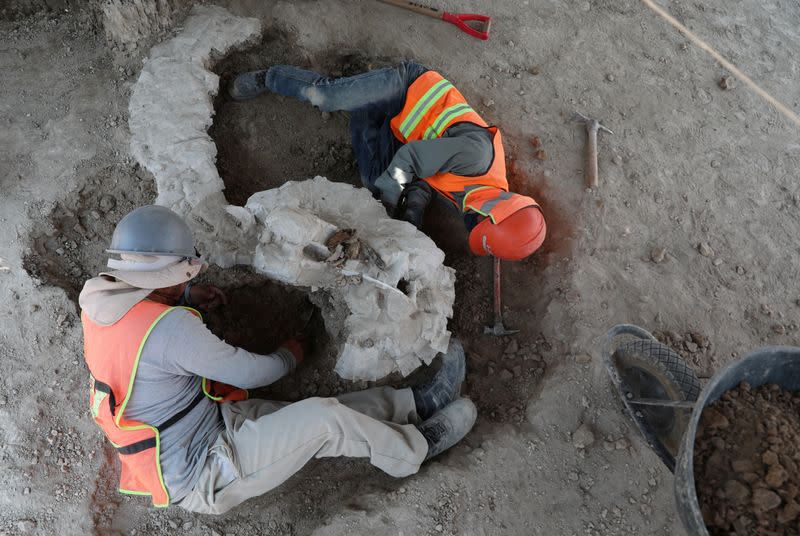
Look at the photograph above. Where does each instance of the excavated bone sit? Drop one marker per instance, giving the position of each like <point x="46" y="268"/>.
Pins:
<point x="282" y="232"/>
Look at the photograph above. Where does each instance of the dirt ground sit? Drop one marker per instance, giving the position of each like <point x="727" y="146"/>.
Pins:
<point x="692" y="233"/>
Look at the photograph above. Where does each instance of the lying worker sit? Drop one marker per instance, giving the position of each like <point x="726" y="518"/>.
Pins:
<point x="203" y="445"/>
<point x="414" y="133"/>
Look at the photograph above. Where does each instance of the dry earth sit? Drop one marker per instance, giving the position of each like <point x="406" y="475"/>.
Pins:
<point x="706" y="174"/>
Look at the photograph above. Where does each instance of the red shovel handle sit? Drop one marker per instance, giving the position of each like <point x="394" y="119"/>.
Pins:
<point x="461" y="20"/>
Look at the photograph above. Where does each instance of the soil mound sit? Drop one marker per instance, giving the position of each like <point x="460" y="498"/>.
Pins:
<point x="746" y="462"/>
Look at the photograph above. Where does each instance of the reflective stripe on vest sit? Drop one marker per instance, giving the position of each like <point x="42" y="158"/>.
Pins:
<point x="112" y="355"/>
<point x="432" y="105"/>
<point x="497" y="204"/>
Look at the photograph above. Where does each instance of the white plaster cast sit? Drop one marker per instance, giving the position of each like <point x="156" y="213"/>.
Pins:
<point x="379" y="329"/>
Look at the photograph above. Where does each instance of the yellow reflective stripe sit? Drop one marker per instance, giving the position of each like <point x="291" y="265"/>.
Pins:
<point x="131" y="492"/>
<point x="204" y="385"/>
<point x="467" y="194"/>
<point x="99" y="396"/>
<point x="448" y="115"/>
<point x="436" y="92"/>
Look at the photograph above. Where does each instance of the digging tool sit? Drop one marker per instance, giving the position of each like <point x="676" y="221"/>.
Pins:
<point x="462" y="20"/>
<point x="592" y="127"/>
<point x="498" y="329"/>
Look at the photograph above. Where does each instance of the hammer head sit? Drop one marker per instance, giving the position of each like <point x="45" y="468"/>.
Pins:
<point x="591" y="124"/>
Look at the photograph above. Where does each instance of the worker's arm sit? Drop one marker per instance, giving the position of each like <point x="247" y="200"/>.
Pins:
<point x="187" y="347"/>
<point x="467" y="151"/>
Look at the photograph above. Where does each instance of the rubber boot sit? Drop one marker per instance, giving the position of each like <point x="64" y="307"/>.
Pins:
<point x="445" y="386"/>
<point x="248" y="86"/>
<point x="448" y="426"/>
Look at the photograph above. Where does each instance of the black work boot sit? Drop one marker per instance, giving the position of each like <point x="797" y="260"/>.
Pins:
<point x="448" y="426"/>
<point x="248" y="86"/>
<point x="445" y="386"/>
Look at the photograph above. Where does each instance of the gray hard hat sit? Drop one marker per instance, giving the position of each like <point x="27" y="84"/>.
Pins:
<point x="153" y="230"/>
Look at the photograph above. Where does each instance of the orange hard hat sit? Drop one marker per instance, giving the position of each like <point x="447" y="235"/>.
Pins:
<point x="514" y="238"/>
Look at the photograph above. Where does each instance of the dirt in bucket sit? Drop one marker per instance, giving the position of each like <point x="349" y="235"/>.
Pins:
<point x="746" y="462"/>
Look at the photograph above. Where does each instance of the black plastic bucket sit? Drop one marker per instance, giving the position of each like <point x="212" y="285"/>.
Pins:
<point x="778" y="365"/>
<point x="770" y="365"/>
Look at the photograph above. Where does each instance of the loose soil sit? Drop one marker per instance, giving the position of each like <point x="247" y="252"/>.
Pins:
<point x="746" y="462"/>
<point x="69" y="247"/>
<point x="269" y="140"/>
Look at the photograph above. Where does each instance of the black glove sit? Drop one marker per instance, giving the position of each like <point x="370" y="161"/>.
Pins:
<point x="413" y="201"/>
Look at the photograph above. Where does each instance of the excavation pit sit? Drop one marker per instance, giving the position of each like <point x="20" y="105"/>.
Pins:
<point x="378" y="329"/>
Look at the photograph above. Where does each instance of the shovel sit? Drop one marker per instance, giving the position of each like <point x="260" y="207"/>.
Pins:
<point x="480" y="30"/>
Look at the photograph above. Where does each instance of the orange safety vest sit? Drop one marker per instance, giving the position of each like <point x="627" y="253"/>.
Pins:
<point x="112" y="354"/>
<point x="432" y="106"/>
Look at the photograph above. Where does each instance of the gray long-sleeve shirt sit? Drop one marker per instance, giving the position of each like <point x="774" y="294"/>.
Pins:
<point x="464" y="149"/>
<point x="179" y="351"/>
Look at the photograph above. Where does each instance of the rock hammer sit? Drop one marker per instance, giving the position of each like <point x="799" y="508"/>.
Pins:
<point x="498" y="329"/>
<point x="592" y="127"/>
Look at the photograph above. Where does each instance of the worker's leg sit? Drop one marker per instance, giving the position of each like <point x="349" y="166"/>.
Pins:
<point x="265" y="445"/>
<point x="374" y="145"/>
<point x="382" y="90"/>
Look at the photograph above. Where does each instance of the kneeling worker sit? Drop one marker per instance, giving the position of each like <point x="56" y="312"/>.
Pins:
<point x="185" y="438"/>
<point x="414" y="133"/>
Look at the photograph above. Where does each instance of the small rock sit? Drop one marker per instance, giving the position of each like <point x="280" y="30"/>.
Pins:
<point x="535" y="70"/>
<point x="715" y="164"/>
<point x="699" y="339"/>
<point x="657" y="255"/>
<point x="517" y="371"/>
<point x="187" y="525"/>
<point x="726" y="82"/>
<point x="573" y="476"/>
<point x="705" y="250"/>
<point x="740" y="270"/>
<point x="172" y="524"/>
<point x="583" y="359"/>
<point x="765" y="500"/>
<point x="776" y="476"/>
<point x="616" y="159"/>
<point x="513" y="347"/>
<point x="511" y="44"/>
<point x="438" y="528"/>
<point x="107" y="202"/>
<point x="26" y="491"/>
<point x="326" y="116"/>
<point x="714" y="419"/>
<point x="26" y="525"/>
<point x="610" y="77"/>
<point x="488" y="103"/>
<point x="541" y="154"/>
<point x="583" y="437"/>
<point x="401" y="490"/>
<point x="789" y="513"/>
<point x="506" y="375"/>
<point x="691" y="347"/>
<point x="536" y="141"/>
<point x="736" y="492"/>
<point x="717" y="261"/>
<point x="621" y="444"/>
<point x="779" y="329"/>
<point x="769" y="458"/>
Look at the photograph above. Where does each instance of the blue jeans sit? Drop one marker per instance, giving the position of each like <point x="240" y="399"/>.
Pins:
<point x="372" y="98"/>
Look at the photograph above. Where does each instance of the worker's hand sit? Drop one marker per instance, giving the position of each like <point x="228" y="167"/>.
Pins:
<point x="413" y="203"/>
<point x="206" y="296"/>
<point x="297" y="346"/>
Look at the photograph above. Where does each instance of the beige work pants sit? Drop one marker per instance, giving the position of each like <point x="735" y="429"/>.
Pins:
<point x="264" y="442"/>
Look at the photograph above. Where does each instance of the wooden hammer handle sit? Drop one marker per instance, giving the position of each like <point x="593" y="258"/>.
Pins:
<point x="418" y="8"/>
<point x="591" y="157"/>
